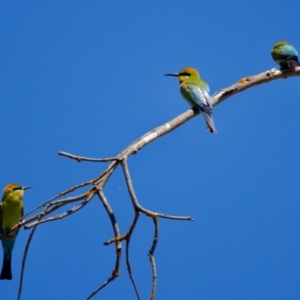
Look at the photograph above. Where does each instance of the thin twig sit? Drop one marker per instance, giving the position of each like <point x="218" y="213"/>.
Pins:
<point x="118" y="246"/>
<point x="68" y="200"/>
<point x="82" y="158"/>
<point x="72" y="189"/>
<point x="152" y="259"/>
<point x="251" y="81"/>
<point x="60" y="216"/>
<point x="110" y="279"/>
<point x="25" y="255"/>
<point x="129" y="234"/>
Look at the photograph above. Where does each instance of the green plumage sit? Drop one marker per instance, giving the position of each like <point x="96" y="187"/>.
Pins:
<point x="285" y="55"/>
<point x="11" y="211"/>
<point x="196" y="92"/>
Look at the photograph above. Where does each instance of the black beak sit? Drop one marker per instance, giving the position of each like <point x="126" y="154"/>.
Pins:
<point x="172" y="74"/>
<point x="26" y="187"/>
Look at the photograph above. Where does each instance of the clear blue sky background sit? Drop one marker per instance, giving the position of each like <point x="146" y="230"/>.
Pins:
<point x="86" y="77"/>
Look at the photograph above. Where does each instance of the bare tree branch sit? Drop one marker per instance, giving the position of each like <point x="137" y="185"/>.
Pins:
<point x="251" y="81"/>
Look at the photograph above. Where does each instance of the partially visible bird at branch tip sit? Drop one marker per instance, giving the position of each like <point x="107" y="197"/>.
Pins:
<point x="196" y="92"/>
<point x="285" y="55"/>
<point x="11" y="211"/>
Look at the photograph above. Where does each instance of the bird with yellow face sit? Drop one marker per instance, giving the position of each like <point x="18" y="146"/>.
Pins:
<point x="196" y="92"/>
<point x="11" y="211"/>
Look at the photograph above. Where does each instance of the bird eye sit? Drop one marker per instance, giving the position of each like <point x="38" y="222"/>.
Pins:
<point x="185" y="74"/>
<point x="17" y="188"/>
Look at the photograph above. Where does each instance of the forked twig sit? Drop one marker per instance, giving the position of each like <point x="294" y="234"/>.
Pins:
<point x="136" y="204"/>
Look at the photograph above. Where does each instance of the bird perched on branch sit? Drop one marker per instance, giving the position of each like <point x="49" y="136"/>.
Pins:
<point x="196" y="92"/>
<point x="285" y="55"/>
<point x="11" y="211"/>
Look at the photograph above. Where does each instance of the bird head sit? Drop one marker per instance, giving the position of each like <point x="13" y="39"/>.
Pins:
<point x="281" y="43"/>
<point x="15" y="190"/>
<point x="185" y="74"/>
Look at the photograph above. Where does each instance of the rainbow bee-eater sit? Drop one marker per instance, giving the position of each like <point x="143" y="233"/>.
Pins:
<point x="196" y="92"/>
<point x="11" y="211"/>
<point x="285" y="55"/>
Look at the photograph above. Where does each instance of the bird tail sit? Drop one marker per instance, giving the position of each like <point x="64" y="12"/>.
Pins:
<point x="210" y="126"/>
<point x="6" y="268"/>
<point x="291" y="63"/>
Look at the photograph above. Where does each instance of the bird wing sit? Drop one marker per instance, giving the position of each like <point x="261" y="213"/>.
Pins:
<point x="287" y="51"/>
<point x="200" y="95"/>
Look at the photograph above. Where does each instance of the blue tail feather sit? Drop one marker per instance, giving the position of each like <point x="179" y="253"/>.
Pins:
<point x="209" y="122"/>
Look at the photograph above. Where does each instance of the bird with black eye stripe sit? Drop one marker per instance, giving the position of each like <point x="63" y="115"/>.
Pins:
<point x="196" y="92"/>
<point x="11" y="211"/>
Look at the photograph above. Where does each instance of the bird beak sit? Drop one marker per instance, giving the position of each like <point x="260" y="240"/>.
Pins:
<point x="172" y="74"/>
<point x="26" y="187"/>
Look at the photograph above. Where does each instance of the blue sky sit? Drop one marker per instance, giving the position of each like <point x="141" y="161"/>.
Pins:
<point x="86" y="77"/>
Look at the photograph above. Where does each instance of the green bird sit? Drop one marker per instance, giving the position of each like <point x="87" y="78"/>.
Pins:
<point x="196" y="92"/>
<point x="11" y="211"/>
<point x="285" y="55"/>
